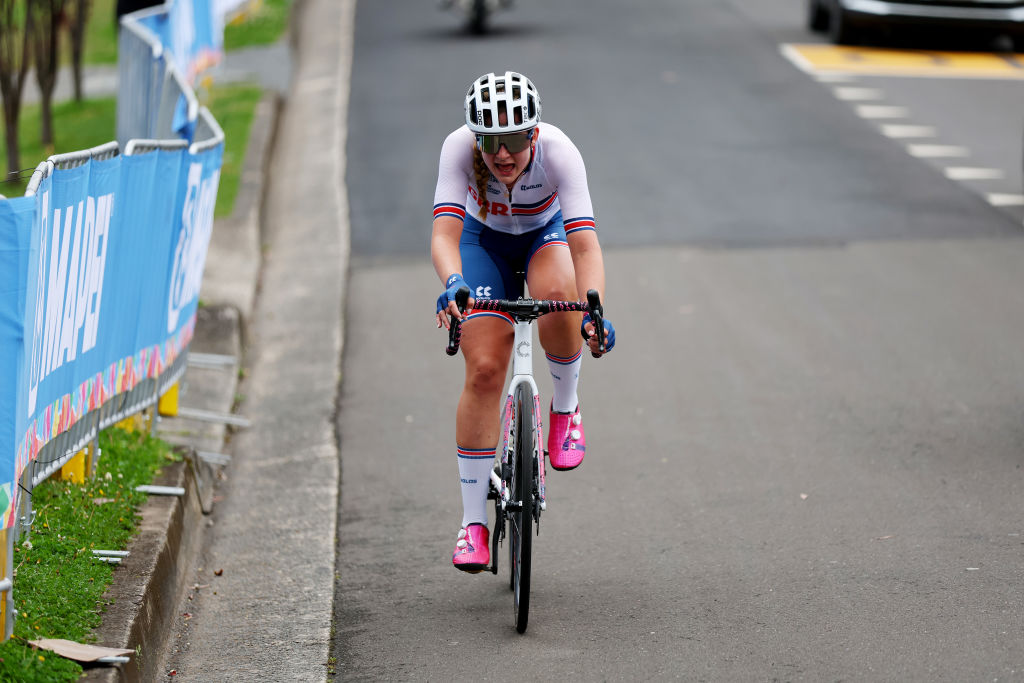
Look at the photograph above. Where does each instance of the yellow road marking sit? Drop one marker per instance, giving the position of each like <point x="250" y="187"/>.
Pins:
<point x="818" y="58"/>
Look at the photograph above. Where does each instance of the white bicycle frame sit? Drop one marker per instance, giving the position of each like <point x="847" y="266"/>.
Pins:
<point x="522" y="373"/>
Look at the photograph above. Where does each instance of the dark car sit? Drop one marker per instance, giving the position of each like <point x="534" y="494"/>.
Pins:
<point x="846" y="20"/>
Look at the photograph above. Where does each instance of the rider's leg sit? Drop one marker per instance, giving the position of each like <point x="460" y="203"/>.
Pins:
<point x="486" y="346"/>
<point x="551" y="276"/>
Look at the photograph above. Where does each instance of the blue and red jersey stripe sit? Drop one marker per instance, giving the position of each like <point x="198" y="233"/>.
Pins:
<point x="453" y="210"/>
<point x="580" y="223"/>
<point x="535" y="208"/>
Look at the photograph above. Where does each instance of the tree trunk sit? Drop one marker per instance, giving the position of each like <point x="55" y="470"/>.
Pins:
<point x="47" y="39"/>
<point x="15" y="55"/>
<point x="11" y="116"/>
<point x="77" y="27"/>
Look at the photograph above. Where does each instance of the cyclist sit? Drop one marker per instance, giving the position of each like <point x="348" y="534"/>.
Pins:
<point x="512" y="200"/>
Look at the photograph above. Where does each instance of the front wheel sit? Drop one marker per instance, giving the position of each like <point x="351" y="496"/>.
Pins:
<point x="521" y="515"/>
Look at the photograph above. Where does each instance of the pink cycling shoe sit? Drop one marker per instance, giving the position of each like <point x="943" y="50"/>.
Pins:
<point x="472" y="553"/>
<point x="566" y="442"/>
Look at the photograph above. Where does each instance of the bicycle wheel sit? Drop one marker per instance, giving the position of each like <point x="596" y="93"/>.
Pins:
<point x="520" y="517"/>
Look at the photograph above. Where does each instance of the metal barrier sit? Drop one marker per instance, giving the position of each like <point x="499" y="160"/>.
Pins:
<point x="154" y="101"/>
<point x="208" y="133"/>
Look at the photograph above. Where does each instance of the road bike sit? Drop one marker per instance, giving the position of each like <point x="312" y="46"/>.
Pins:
<point x="517" y="483"/>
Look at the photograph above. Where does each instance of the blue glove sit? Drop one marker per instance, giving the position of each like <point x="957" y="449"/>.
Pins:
<point x="609" y="329"/>
<point x="453" y="284"/>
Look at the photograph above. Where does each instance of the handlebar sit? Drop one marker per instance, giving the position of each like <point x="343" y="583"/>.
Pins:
<point x="527" y="309"/>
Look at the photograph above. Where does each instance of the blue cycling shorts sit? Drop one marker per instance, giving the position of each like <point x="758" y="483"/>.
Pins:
<point x="495" y="264"/>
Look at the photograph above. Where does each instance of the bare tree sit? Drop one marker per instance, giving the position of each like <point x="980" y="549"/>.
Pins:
<point x="15" y="57"/>
<point x="76" y="26"/>
<point x="47" y="18"/>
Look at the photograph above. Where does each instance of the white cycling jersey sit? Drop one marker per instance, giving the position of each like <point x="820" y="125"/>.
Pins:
<point x="555" y="180"/>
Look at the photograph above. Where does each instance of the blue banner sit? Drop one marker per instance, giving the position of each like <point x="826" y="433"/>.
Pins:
<point x="99" y="278"/>
<point x="193" y="34"/>
<point x="15" y="227"/>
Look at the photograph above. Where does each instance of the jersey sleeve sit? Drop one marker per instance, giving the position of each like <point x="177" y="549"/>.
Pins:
<point x="565" y="168"/>
<point x="454" y="174"/>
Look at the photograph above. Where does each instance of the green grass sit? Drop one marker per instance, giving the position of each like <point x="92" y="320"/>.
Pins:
<point x="100" y="35"/>
<point x="233" y="106"/>
<point x="263" y="23"/>
<point x="81" y="125"/>
<point x="58" y="586"/>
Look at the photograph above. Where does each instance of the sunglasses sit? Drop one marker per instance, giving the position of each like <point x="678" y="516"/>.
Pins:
<point x="514" y="142"/>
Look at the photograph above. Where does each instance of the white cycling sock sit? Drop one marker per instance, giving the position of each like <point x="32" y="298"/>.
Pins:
<point x="475" y="465"/>
<point x="565" y="373"/>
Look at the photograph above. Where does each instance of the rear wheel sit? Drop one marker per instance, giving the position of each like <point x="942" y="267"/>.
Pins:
<point x="521" y="516"/>
<point x="841" y="29"/>
<point x="478" y="17"/>
<point x="817" y="16"/>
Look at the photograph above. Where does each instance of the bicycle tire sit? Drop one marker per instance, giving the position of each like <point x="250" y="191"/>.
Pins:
<point x="521" y="516"/>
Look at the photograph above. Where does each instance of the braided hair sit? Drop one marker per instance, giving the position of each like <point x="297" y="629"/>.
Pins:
<point x="483" y="174"/>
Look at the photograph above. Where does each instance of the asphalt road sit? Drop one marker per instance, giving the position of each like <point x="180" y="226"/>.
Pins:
<point x="805" y="452"/>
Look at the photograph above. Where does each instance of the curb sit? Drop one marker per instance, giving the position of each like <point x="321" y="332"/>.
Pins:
<point x="148" y="588"/>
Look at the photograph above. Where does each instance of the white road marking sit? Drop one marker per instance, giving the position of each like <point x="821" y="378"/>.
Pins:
<point x="937" y="151"/>
<point x="974" y="173"/>
<point x="898" y="130"/>
<point x="835" y="78"/>
<point x="881" y="111"/>
<point x="848" y="94"/>
<point x="998" y="199"/>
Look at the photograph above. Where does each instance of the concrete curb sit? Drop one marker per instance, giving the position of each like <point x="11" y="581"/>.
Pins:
<point x="150" y="585"/>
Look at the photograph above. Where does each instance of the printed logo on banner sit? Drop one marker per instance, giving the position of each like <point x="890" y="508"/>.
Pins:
<point x="72" y="262"/>
<point x="190" y="252"/>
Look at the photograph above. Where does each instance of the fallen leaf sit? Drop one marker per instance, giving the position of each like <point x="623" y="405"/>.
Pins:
<point x="218" y="572"/>
<point x="78" y="651"/>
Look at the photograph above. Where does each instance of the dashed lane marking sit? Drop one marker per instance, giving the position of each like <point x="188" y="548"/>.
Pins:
<point x="849" y="94"/>
<point x="996" y="199"/>
<point x="974" y="173"/>
<point x="881" y="111"/>
<point x="870" y="61"/>
<point x="937" y="151"/>
<point x="901" y="131"/>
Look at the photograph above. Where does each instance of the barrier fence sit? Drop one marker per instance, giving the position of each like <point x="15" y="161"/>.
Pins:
<point x="101" y="264"/>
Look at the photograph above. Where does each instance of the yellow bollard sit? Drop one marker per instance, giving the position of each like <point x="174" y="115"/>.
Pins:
<point x="74" y="469"/>
<point x="132" y="423"/>
<point x="168" y="404"/>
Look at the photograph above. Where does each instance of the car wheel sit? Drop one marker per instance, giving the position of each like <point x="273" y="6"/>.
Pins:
<point x="817" y="16"/>
<point x="840" y="29"/>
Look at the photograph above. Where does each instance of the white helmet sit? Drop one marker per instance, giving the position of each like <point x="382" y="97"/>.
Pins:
<point x="512" y="94"/>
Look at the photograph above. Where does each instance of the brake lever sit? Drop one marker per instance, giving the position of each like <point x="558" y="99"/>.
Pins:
<point x="455" y="328"/>
<point x="596" y="317"/>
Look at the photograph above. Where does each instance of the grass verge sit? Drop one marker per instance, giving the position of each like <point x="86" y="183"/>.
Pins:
<point x="262" y="23"/>
<point x="58" y="586"/>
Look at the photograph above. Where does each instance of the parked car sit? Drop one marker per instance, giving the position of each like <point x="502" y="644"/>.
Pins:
<point x="846" y="20"/>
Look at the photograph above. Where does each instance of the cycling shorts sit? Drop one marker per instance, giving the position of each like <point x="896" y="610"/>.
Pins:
<point x="495" y="264"/>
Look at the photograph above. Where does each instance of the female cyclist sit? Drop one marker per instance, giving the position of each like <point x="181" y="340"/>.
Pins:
<point x="505" y="181"/>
